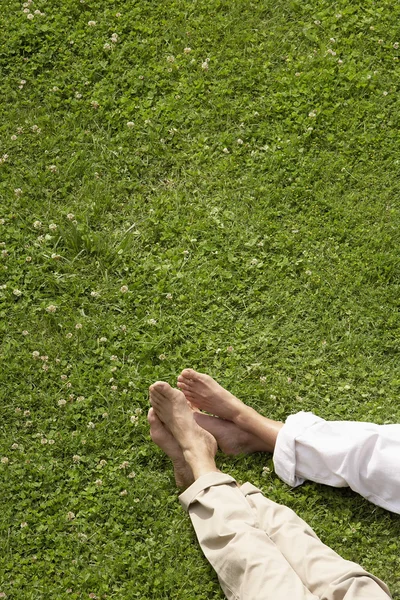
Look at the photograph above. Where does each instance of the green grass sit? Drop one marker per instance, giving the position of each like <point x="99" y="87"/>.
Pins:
<point x="284" y="247"/>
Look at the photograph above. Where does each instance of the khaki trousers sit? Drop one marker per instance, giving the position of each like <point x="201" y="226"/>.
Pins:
<point x="261" y="550"/>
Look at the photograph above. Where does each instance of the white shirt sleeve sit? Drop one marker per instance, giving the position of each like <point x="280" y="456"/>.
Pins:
<point x="362" y="456"/>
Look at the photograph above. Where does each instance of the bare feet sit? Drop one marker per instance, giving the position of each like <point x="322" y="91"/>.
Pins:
<point x="198" y="445"/>
<point x="231" y="439"/>
<point x="204" y="392"/>
<point x="166" y="441"/>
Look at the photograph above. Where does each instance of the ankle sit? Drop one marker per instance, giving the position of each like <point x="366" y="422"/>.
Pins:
<point x="199" y="463"/>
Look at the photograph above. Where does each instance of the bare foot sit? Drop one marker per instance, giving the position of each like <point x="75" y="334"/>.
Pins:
<point x="166" y="441"/>
<point x="203" y="391"/>
<point x="198" y="445"/>
<point x="230" y="438"/>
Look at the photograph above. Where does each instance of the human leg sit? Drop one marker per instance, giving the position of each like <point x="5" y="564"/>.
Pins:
<point x="363" y="456"/>
<point x="248" y="564"/>
<point x="258" y="549"/>
<point x="322" y="571"/>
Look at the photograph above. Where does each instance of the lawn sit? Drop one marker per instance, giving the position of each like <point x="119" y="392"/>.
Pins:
<point x="208" y="184"/>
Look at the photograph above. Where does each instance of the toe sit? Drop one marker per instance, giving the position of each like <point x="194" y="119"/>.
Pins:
<point x="161" y="387"/>
<point x="182" y="385"/>
<point x="188" y="374"/>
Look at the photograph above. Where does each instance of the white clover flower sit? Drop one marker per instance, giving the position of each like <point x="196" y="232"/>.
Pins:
<point x="396" y="45"/>
<point x="118" y="15"/>
<point x="76" y="458"/>
<point x="114" y="38"/>
<point x="312" y="114"/>
<point x="24" y="524"/>
<point x="14" y="447"/>
<point x="98" y="482"/>
<point x="124" y="464"/>
<point x="187" y="50"/>
<point x="51" y="442"/>
<point x="62" y="402"/>
<point x="225" y="150"/>
<point x="55" y="256"/>
<point x="384" y="93"/>
<point x="92" y="23"/>
<point x="18" y="192"/>
<point x="70" y="515"/>
<point x="204" y="65"/>
<point x="114" y="357"/>
<point x="130" y="124"/>
<point x="30" y="16"/>
<point x="162" y="357"/>
<point x="169" y="296"/>
<point x="91" y="425"/>
<point x="51" y="308"/>
<point x="78" y="95"/>
<point x="95" y="104"/>
<point x="68" y="335"/>
<point x="5" y="460"/>
<point x="78" y="326"/>
<point x="132" y="475"/>
<point x="43" y="441"/>
<point x="340" y="62"/>
<point x="94" y="294"/>
<point x="107" y="46"/>
<point x="170" y="58"/>
<point x="37" y="224"/>
<point x="25" y="332"/>
<point x="239" y="141"/>
<point x="134" y="419"/>
<point x="70" y="216"/>
<point x="103" y="339"/>
<point x="124" y="289"/>
<point x="123" y="493"/>
<point x="53" y="168"/>
<point x="13" y="137"/>
<point x="80" y="398"/>
<point x="152" y="322"/>
<point x="17" y="292"/>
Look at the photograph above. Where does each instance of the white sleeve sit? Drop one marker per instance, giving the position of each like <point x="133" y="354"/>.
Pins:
<point x="363" y="456"/>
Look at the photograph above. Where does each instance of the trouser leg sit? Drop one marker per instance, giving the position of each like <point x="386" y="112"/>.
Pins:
<point x="327" y="575"/>
<point x="363" y="456"/>
<point x="248" y="563"/>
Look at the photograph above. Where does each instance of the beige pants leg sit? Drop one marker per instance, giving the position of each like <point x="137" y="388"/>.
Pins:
<point x="243" y="536"/>
<point x="323" y="572"/>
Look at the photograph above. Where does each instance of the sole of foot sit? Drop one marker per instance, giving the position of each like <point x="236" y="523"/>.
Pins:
<point x="203" y="391"/>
